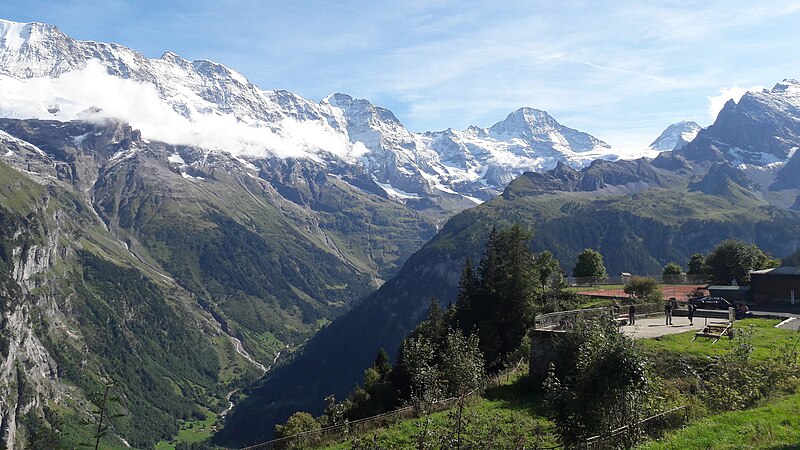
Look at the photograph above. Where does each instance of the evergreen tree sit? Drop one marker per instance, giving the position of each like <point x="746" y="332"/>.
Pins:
<point x="516" y="289"/>
<point x="467" y="291"/>
<point x="489" y="276"/>
<point x="434" y="327"/>
<point x="382" y="364"/>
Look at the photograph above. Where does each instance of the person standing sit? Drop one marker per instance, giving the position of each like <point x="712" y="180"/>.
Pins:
<point x="690" y="313"/>
<point x="668" y="312"/>
<point x="632" y="314"/>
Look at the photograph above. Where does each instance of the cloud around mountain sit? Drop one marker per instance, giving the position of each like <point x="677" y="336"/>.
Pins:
<point x="92" y="94"/>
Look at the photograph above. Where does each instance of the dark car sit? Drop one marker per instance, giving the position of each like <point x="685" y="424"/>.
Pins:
<point x="711" y="303"/>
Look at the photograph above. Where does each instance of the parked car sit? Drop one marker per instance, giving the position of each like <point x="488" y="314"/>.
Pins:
<point x="710" y="303"/>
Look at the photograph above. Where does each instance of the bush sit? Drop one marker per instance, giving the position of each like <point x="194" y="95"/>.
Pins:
<point x="597" y="383"/>
<point x="642" y="288"/>
<point x="299" y="422"/>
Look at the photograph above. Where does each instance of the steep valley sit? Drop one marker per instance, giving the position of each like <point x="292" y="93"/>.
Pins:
<point x="179" y="287"/>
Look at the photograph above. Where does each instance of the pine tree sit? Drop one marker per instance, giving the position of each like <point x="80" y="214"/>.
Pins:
<point x="467" y="291"/>
<point x="382" y="364"/>
<point x="516" y="288"/>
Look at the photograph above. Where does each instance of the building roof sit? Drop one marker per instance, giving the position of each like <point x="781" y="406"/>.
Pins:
<point x="728" y="288"/>
<point x="780" y="271"/>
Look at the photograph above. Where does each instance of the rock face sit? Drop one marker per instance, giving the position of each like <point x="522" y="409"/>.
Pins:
<point x="724" y="180"/>
<point x="788" y="177"/>
<point x="28" y="372"/>
<point x="761" y="129"/>
<point x="204" y="103"/>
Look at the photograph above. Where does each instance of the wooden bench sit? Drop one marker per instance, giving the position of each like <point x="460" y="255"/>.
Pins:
<point x="715" y="331"/>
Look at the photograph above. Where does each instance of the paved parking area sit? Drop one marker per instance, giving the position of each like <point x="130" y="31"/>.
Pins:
<point x="653" y="327"/>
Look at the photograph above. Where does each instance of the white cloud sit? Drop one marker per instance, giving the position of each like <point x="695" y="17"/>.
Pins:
<point x="735" y="93"/>
<point x="140" y="105"/>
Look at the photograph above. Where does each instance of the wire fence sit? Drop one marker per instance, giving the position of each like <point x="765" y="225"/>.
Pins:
<point x="682" y="279"/>
<point x="339" y="432"/>
<point x="651" y="427"/>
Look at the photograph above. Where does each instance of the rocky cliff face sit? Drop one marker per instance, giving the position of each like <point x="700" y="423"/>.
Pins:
<point x="761" y="129"/>
<point x="29" y="373"/>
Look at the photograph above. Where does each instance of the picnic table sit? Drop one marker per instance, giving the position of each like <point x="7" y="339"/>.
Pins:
<point x="715" y="331"/>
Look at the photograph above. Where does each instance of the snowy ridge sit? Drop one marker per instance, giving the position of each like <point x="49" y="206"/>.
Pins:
<point x="45" y="74"/>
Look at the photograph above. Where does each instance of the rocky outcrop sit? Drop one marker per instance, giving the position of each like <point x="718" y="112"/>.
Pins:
<point x="28" y="373"/>
<point x="724" y="180"/>
<point x="599" y="175"/>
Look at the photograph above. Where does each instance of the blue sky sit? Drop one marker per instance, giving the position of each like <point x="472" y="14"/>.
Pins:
<point x="620" y="70"/>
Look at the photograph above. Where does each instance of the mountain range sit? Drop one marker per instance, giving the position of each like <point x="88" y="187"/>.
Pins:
<point x="45" y="74"/>
<point x="169" y="224"/>
<point x="726" y="183"/>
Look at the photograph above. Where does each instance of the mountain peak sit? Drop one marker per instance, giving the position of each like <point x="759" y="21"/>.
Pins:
<point x="543" y="132"/>
<point x="337" y="99"/>
<point x="15" y="35"/>
<point x="524" y="122"/>
<point x="169" y="55"/>
<point x="787" y="85"/>
<point x="676" y="136"/>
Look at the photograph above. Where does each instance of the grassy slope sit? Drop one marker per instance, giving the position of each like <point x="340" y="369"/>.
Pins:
<point x="509" y="408"/>
<point x="770" y="426"/>
<point x="774" y="425"/>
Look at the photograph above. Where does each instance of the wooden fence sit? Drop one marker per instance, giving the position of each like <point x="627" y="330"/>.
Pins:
<point x="630" y="435"/>
<point x="335" y="433"/>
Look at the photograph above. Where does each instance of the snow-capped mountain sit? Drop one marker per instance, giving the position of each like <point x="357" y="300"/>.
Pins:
<point x="762" y="129"/>
<point x="45" y="74"/>
<point x="676" y="136"/>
